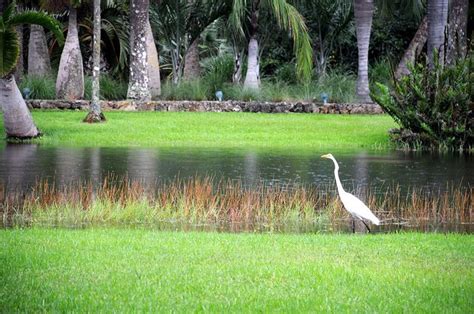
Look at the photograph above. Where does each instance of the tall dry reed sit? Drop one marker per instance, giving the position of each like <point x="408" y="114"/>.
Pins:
<point x="205" y="200"/>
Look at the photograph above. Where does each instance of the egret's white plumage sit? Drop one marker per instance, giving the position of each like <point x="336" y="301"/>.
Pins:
<point x="351" y="203"/>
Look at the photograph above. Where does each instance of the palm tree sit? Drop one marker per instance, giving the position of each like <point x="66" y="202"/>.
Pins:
<point x="17" y="118"/>
<point x="456" y="46"/>
<point x="95" y="114"/>
<point x="138" y="81"/>
<point x="70" y="79"/>
<point x="288" y="19"/>
<point x="38" y="56"/>
<point x="437" y="19"/>
<point x="413" y="51"/>
<point x="154" y="83"/>
<point x="363" y="13"/>
<point x="181" y="23"/>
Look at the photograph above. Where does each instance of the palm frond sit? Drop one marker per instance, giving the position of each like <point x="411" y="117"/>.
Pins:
<point x="39" y="18"/>
<point x="9" y="50"/>
<point x="7" y="14"/>
<point x="238" y="13"/>
<point x="291" y="20"/>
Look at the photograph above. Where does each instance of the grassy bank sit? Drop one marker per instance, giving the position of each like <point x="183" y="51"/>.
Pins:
<point x="222" y="130"/>
<point x="138" y="270"/>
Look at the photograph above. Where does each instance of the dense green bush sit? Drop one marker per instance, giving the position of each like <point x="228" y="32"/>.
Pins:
<point x="45" y="87"/>
<point x="434" y="107"/>
<point x="41" y="87"/>
<point x="218" y="71"/>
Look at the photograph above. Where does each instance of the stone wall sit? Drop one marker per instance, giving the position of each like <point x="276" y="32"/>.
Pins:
<point x="211" y="106"/>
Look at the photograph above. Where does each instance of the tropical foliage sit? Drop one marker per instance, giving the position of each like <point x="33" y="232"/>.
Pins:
<point x="9" y="40"/>
<point x="434" y="107"/>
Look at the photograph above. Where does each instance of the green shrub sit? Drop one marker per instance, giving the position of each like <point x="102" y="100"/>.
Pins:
<point x="217" y="72"/>
<point x="276" y="92"/>
<point x="286" y="73"/>
<point x="110" y="89"/>
<point x="41" y="87"/>
<point x="45" y="87"/>
<point x="381" y="72"/>
<point x="186" y="90"/>
<point x="434" y="107"/>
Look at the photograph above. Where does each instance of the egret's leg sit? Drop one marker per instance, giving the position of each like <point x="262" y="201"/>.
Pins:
<point x="353" y="225"/>
<point x="366" y="225"/>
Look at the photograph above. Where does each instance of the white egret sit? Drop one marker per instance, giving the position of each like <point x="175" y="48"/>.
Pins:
<point x="351" y="203"/>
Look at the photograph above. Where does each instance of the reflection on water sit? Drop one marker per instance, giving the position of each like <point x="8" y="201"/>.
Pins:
<point x="22" y="165"/>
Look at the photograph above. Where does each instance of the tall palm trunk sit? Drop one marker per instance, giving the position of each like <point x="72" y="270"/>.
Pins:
<point x="363" y="12"/>
<point x="437" y="19"/>
<point x="192" y="68"/>
<point x="95" y="114"/>
<point x="456" y="47"/>
<point x="18" y="121"/>
<point x="154" y="83"/>
<point x="20" y="66"/>
<point x="38" y="56"/>
<point x="414" y="49"/>
<point x="138" y="81"/>
<point x="252" y="77"/>
<point x="70" y="80"/>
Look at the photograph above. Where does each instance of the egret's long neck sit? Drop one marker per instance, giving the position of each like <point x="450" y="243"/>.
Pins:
<point x="336" y="174"/>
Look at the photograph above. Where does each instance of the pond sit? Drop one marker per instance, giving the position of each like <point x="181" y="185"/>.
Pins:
<point x="22" y="166"/>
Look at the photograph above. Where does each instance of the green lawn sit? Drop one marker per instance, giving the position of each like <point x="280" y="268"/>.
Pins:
<point x="126" y="270"/>
<point x="222" y="130"/>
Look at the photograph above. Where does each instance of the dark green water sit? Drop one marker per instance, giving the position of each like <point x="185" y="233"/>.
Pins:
<point x="22" y="165"/>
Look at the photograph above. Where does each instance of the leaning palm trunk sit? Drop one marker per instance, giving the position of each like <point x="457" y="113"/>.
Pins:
<point x="437" y="19"/>
<point x="154" y="83"/>
<point x="138" y="81"/>
<point x="38" y="56"/>
<point x="95" y="114"/>
<point x="192" y="68"/>
<point x="18" y="121"/>
<point x="413" y="51"/>
<point x="252" y="78"/>
<point x="363" y="12"/>
<point x="456" y="47"/>
<point x="70" y="80"/>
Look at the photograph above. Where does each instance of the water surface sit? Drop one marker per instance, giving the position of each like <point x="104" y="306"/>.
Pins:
<point x="23" y="165"/>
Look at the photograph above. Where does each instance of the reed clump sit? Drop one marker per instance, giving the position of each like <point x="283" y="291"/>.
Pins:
<point x="223" y="202"/>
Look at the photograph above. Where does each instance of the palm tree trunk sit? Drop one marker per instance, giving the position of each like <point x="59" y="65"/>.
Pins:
<point x="70" y="80"/>
<point x="413" y="50"/>
<point x="20" y="66"/>
<point x="437" y="19"/>
<point x="153" y="64"/>
<point x="38" y="56"/>
<point x="456" y="47"/>
<point x="138" y="81"/>
<point x="192" y="68"/>
<point x="18" y="121"/>
<point x="363" y="12"/>
<point x="237" y="75"/>
<point x="95" y="114"/>
<point x="252" y="77"/>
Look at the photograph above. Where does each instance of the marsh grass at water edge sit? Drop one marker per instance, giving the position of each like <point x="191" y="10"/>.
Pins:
<point x="229" y="205"/>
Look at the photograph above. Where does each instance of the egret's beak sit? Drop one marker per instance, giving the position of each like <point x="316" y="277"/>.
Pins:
<point x="325" y="156"/>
